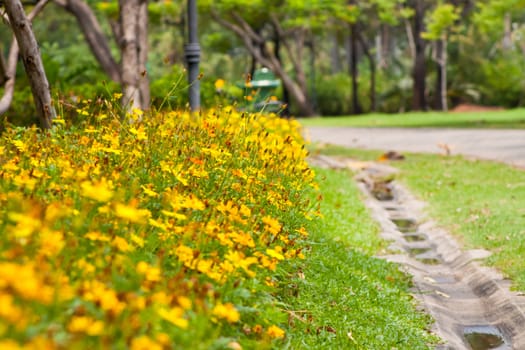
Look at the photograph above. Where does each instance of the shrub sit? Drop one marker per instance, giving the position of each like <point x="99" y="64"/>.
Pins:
<point x="333" y="94"/>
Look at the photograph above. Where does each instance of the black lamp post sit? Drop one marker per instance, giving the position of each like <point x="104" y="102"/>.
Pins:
<point x="192" y="51"/>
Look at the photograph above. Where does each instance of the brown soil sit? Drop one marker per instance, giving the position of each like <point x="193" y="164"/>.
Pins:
<point x="467" y="107"/>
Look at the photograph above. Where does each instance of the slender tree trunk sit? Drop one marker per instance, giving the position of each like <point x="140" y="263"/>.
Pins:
<point x="335" y="58"/>
<point x="443" y="67"/>
<point x="354" y="72"/>
<point x="10" y="73"/>
<point x="410" y="39"/>
<point x="507" y="36"/>
<point x="142" y="33"/>
<point x="437" y="52"/>
<point x="384" y="49"/>
<point x="3" y="67"/>
<point x="32" y="62"/>
<point x="372" y="65"/>
<point x="129" y="10"/>
<point x="419" y="69"/>
<point x="286" y="94"/>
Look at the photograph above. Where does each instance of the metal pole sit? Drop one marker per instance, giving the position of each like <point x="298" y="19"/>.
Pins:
<point x="192" y="51"/>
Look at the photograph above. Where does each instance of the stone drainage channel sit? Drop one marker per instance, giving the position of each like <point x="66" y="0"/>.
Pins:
<point x="472" y="305"/>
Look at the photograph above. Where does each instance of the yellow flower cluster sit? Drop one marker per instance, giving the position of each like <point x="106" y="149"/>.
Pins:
<point x="148" y="235"/>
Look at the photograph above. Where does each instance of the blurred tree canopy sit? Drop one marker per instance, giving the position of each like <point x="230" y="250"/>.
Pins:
<point x="333" y="57"/>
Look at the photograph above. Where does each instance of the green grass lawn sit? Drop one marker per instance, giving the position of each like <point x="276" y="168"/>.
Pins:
<point x="342" y="297"/>
<point x="510" y="119"/>
<point x="482" y="203"/>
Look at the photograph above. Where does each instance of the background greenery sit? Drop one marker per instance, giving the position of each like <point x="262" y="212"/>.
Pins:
<point x="484" y="67"/>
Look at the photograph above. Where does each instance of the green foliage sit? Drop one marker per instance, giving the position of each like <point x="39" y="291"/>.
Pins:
<point x="22" y="111"/>
<point x="503" y="80"/>
<point x="333" y="94"/>
<point x="490" y="14"/>
<point x="440" y="21"/>
<point x="70" y="65"/>
<point x="169" y="91"/>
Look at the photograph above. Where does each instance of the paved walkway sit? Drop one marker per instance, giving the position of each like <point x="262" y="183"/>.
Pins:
<point x="501" y="145"/>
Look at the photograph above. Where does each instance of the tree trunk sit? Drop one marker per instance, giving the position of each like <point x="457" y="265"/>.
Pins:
<point x="443" y="61"/>
<point x="507" y="33"/>
<point x="94" y="36"/>
<point x="335" y="58"/>
<point x="286" y="94"/>
<point x="301" y="99"/>
<point x="384" y="47"/>
<point x="419" y="69"/>
<point x="372" y="65"/>
<point x="438" y="100"/>
<point x="10" y="73"/>
<point x="32" y="62"/>
<point x="354" y="72"/>
<point x="3" y="68"/>
<point x="142" y="33"/>
<point x="129" y="46"/>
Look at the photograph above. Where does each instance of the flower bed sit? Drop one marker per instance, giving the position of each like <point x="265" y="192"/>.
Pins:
<point x="159" y="234"/>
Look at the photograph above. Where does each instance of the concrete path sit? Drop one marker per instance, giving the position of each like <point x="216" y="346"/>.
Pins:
<point x="500" y="145"/>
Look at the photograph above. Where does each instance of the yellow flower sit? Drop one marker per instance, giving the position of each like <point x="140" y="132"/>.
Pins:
<point x="8" y="310"/>
<point x="131" y="213"/>
<point x="275" y="332"/>
<point x="139" y="241"/>
<point x="143" y="342"/>
<point x="20" y="145"/>
<point x="275" y="253"/>
<point x="139" y="133"/>
<point x="219" y="84"/>
<point x="85" y="324"/>
<point x="100" y="191"/>
<point x="26" y="225"/>
<point x="227" y="312"/>
<point x="97" y="236"/>
<point x="9" y="344"/>
<point x="184" y="302"/>
<point x="149" y="192"/>
<point x="59" y="120"/>
<point x="52" y="242"/>
<point x="121" y="244"/>
<point x="272" y="225"/>
<point x="175" y="316"/>
<point x="152" y="274"/>
<point x="185" y="254"/>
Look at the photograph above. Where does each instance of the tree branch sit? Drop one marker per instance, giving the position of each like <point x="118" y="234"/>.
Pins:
<point x="247" y="39"/>
<point x="95" y="38"/>
<point x="12" y="60"/>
